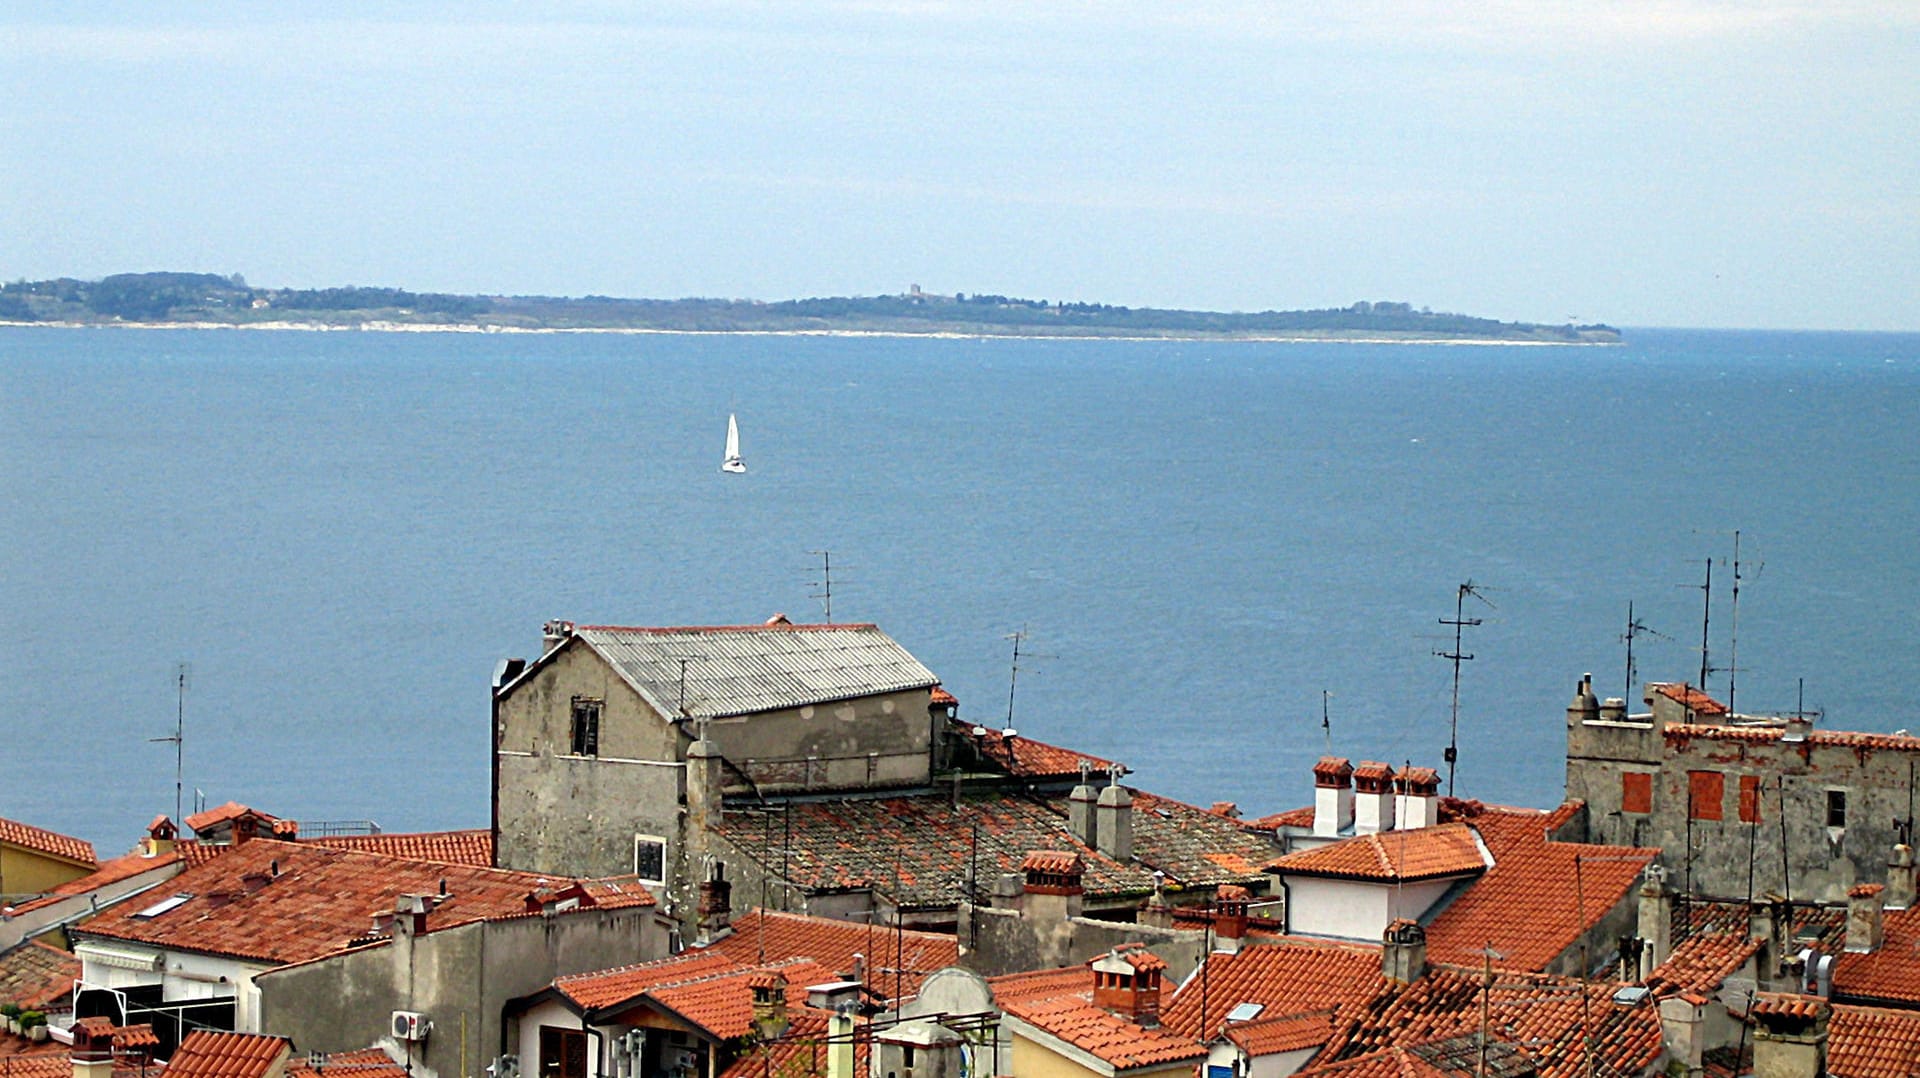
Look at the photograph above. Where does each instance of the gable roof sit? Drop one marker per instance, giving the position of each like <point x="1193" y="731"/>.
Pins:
<point x="1264" y="1036"/>
<point x="1891" y="973"/>
<point x="744" y="669"/>
<point x="1023" y="757"/>
<point x="710" y="991"/>
<point x="1287" y="976"/>
<point x="468" y="847"/>
<point x="35" y="975"/>
<point x="52" y="843"/>
<point x="208" y="1054"/>
<point x="284" y="902"/>
<point x="901" y="957"/>
<point x="1873" y="1042"/>
<point x="1425" y="853"/>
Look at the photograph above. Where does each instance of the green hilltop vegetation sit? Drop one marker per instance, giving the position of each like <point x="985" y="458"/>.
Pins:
<point x="210" y="299"/>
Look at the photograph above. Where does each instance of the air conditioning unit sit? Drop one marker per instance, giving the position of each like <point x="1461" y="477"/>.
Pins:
<point x="410" y="1026"/>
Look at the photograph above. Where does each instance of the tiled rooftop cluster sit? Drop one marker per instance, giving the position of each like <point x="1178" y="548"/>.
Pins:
<point x="41" y="840"/>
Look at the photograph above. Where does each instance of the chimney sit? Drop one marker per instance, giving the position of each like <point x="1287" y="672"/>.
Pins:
<point x="1080" y="805"/>
<point x="1403" y="952"/>
<point x="162" y="837"/>
<point x="1418" y="801"/>
<point x="1230" y="904"/>
<point x="553" y="634"/>
<point x="769" y="989"/>
<point x="1901" y="883"/>
<point x="93" y="1048"/>
<point x="1798" y="727"/>
<point x="1656" y="917"/>
<point x="1373" y="798"/>
<point x="410" y="915"/>
<point x="1613" y="709"/>
<point x="703" y="792"/>
<point x="840" y="1045"/>
<point x="1332" y="796"/>
<point x="1157" y="913"/>
<point x="715" y="908"/>
<point x="1683" y="1025"/>
<point x="1790" y="1038"/>
<point x="1585" y="706"/>
<point x="1126" y="981"/>
<point x="1866" y="928"/>
<point x="1114" y="819"/>
<point x="1051" y="888"/>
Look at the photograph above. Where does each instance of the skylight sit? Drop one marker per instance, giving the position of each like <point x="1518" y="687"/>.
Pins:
<point x="1245" y="1012"/>
<point x="172" y="902"/>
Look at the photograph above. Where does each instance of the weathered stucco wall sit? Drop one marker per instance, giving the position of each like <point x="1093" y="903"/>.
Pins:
<point x="461" y="978"/>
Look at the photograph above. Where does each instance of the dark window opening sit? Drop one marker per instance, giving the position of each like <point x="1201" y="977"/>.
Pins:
<point x="1836" y="808"/>
<point x="586" y="727"/>
<point x="563" y="1053"/>
<point x="650" y="859"/>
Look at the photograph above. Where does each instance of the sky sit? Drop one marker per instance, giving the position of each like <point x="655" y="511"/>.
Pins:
<point x="1711" y="164"/>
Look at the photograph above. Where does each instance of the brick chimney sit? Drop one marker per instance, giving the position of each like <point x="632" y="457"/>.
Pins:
<point x="92" y="1055"/>
<point x="1403" y="952"/>
<point x="769" y="988"/>
<point x="1790" y="1038"/>
<point x="1417" y="801"/>
<point x="1230" y="904"/>
<point x="1332" y="796"/>
<point x="1900" y="878"/>
<point x="1373" y="798"/>
<point x="1126" y="981"/>
<point x="1866" y="927"/>
<point x="1080" y="808"/>
<point x="1051" y="888"/>
<point x="715" y="908"/>
<point x="1114" y="819"/>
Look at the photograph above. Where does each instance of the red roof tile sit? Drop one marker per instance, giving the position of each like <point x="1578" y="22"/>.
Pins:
<point x="1299" y="817"/>
<point x="1872" y="1042"/>
<point x="321" y="900"/>
<point x="1539" y="897"/>
<point x="41" y="840"/>
<point x="1763" y="735"/>
<point x="364" y="1063"/>
<point x="1701" y="962"/>
<point x="605" y="988"/>
<point x="904" y="956"/>
<point x="1788" y="1004"/>
<point x="1421" y="854"/>
<point x="1288" y="976"/>
<point x="1037" y="984"/>
<point x="206" y="1054"/>
<point x="708" y="990"/>
<point x="1282" y="1033"/>
<point x="1024" y="757"/>
<point x="470" y="847"/>
<point x="36" y="975"/>
<point x="1052" y="861"/>
<point x="1690" y="698"/>
<point x="1117" y="1041"/>
<point x="1891" y="974"/>
<point x="226" y="813"/>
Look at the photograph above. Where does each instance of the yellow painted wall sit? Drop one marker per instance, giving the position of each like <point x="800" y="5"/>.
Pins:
<point x="27" y="872"/>
<point x="1034" y="1060"/>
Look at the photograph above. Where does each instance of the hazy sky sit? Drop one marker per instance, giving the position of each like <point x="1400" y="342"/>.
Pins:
<point x="1706" y="164"/>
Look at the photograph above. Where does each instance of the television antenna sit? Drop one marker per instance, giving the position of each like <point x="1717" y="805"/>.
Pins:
<point x="1326" y="724"/>
<point x="1013" y="673"/>
<point x="1636" y="629"/>
<point x="1459" y="621"/>
<point x="825" y="583"/>
<point x="1733" y="653"/>
<point x="182" y="673"/>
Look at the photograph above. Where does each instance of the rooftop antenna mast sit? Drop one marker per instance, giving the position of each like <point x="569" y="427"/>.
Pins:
<point x="1636" y="628"/>
<point x="181" y="673"/>
<point x="1326" y="724"/>
<point x="1459" y="622"/>
<point x="1706" y="617"/>
<point x="825" y="594"/>
<point x="1733" y="654"/>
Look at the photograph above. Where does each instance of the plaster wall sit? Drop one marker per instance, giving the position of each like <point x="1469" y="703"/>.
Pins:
<point x="25" y="873"/>
<point x="1348" y="909"/>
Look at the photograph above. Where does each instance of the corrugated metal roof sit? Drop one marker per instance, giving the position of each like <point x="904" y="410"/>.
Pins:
<point x="746" y="669"/>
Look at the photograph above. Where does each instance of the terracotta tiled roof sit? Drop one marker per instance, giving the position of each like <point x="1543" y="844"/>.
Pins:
<point x="321" y="900"/>
<point x="1546" y="1014"/>
<point x="1117" y="1041"/>
<point x="226" y="813"/>
<point x="1690" y="698"/>
<point x="1037" y="984"/>
<point x="940" y="696"/>
<point x="1539" y="897"/>
<point x="35" y="975"/>
<point x="41" y="840"/>
<point x="1300" y="817"/>
<point x="799" y="1053"/>
<point x="1282" y="1033"/>
<point x="1765" y="735"/>
<point x="1788" y="1005"/>
<point x="1702" y="961"/>
<point x="470" y="847"/>
<point x="767" y="936"/>
<point x="205" y="1054"/>
<point x="1053" y="861"/>
<point x="605" y="988"/>
<point x="710" y="991"/>
<point x="1422" y="854"/>
<point x="1287" y="977"/>
<point x="364" y="1063"/>
<point x="1891" y="974"/>
<point x="1873" y="1042"/>
<point x="1024" y="757"/>
<point x="1335" y="769"/>
<point x="1196" y="848"/>
<point x="108" y="872"/>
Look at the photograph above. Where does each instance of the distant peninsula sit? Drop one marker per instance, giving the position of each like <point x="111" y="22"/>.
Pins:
<point x="205" y="299"/>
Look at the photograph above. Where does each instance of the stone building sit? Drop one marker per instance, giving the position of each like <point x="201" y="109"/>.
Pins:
<point x="1741" y="805"/>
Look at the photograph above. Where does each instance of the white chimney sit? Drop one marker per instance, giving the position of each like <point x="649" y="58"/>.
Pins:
<point x="1332" y="796"/>
<point x="1417" y="803"/>
<point x="1373" y="798"/>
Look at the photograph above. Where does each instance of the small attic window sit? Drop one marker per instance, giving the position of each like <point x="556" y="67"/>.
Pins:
<point x="172" y="902"/>
<point x="1245" y="1012"/>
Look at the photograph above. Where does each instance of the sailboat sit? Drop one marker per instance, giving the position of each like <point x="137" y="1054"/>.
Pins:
<point x="732" y="462"/>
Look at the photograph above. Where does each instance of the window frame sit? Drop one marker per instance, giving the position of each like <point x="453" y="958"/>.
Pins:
<point x="1836" y="800"/>
<point x="583" y="726"/>
<point x="660" y="841"/>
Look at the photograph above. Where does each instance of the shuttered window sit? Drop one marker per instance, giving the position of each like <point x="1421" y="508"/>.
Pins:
<point x="1636" y="791"/>
<point x="1705" y="791"/>
<point x="1749" y="799"/>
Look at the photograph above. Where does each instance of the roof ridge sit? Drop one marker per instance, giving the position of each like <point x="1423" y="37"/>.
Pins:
<point x="660" y="630"/>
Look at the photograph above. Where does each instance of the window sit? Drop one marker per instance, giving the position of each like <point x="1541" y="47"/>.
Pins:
<point x="1705" y="791"/>
<point x="1749" y="799"/>
<point x="563" y="1053"/>
<point x="650" y="858"/>
<point x="1836" y="808"/>
<point x="1636" y="791"/>
<point x="586" y="726"/>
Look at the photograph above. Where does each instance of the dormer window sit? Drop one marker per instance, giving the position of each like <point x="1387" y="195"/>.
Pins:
<point x="586" y="726"/>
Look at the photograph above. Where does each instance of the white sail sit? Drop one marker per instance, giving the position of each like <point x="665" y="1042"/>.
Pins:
<point x="732" y="462"/>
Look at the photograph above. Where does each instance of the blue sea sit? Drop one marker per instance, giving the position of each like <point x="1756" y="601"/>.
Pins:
<point x="342" y="533"/>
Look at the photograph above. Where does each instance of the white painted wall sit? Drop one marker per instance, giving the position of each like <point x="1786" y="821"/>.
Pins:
<point x="1350" y="909"/>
